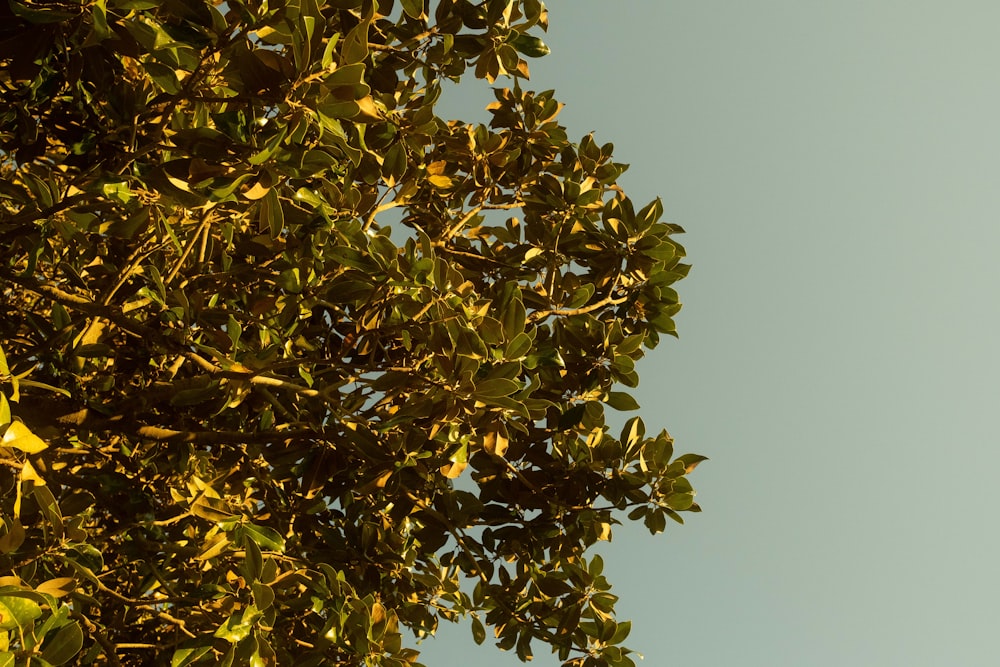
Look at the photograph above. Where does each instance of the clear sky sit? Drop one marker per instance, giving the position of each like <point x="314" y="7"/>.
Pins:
<point x="837" y="168"/>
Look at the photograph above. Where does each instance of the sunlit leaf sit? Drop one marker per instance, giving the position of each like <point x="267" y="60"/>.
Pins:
<point x="17" y="612"/>
<point x="19" y="436"/>
<point x="266" y="538"/>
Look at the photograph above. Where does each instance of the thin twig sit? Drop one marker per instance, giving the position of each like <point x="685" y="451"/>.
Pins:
<point x="203" y="225"/>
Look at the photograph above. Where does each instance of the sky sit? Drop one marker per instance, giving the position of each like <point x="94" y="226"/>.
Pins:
<point x="836" y="166"/>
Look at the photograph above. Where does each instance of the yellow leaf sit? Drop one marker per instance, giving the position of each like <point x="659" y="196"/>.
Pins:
<point x="257" y="191"/>
<point x="453" y="470"/>
<point x="213" y="547"/>
<point x="437" y="167"/>
<point x="29" y="474"/>
<point x="20" y="437"/>
<point x="367" y="111"/>
<point x="440" y="181"/>
<point x="495" y="443"/>
<point x="57" y="587"/>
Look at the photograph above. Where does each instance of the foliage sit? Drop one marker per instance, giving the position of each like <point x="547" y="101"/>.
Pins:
<point x="250" y="418"/>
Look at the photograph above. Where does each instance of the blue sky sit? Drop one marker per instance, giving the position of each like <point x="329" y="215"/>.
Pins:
<point x="835" y="165"/>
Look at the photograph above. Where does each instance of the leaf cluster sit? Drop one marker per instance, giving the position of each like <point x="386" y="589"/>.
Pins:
<point x="298" y="369"/>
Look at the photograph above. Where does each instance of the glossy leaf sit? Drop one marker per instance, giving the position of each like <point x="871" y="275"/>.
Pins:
<point x="619" y="400"/>
<point x="19" y="436"/>
<point x="64" y="646"/>
<point x="17" y="612"/>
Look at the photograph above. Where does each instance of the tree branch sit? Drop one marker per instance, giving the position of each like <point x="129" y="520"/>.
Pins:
<point x="606" y="301"/>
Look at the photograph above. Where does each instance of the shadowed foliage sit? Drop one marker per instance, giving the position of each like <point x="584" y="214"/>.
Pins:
<point x="252" y="415"/>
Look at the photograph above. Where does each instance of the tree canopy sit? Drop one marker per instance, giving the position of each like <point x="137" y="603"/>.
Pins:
<point x="293" y="369"/>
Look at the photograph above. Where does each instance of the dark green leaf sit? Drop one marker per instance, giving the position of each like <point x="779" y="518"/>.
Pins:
<point x="478" y="631"/>
<point x="495" y="388"/>
<point x="619" y="400"/>
<point x="64" y="646"/>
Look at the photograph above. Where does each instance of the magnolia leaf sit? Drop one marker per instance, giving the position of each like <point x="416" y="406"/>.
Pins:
<point x="459" y="461"/>
<point x="58" y="587"/>
<point x="238" y="626"/>
<point x="29" y="474"/>
<point x="691" y="461"/>
<point x="478" y="631"/>
<point x="619" y="400"/>
<point x="188" y="656"/>
<point x="14" y="537"/>
<point x="266" y="538"/>
<point x="64" y="646"/>
<point x="440" y="181"/>
<point x="17" y="612"/>
<point x="213" y="509"/>
<point x="495" y="388"/>
<point x="679" y="501"/>
<point x="531" y="46"/>
<point x="21" y="437"/>
<point x="214" y="547"/>
<point x="495" y="443"/>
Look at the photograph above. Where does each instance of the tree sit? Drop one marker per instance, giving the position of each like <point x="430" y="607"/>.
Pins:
<point x="250" y="415"/>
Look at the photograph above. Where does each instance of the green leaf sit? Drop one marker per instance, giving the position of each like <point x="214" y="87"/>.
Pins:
<point x="571" y="417"/>
<point x="519" y="346"/>
<point x="619" y="400"/>
<point x="679" y="501"/>
<point x="414" y="9"/>
<point x="263" y="595"/>
<point x="495" y="388"/>
<point x="67" y="642"/>
<point x="621" y="632"/>
<point x="655" y="521"/>
<point x="234" y="330"/>
<point x="478" y="631"/>
<point x="691" y="461"/>
<point x="238" y="626"/>
<point x="531" y="46"/>
<point x="17" y="612"/>
<point x="459" y="460"/>
<point x="632" y="432"/>
<point x="355" y="48"/>
<point x="213" y="509"/>
<point x="329" y="50"/>
<point x="350" y="257"/>
<point x="188" y="656"/>
<point x="290" y="280"/>
<point x="596" y="566"/>
<point x="271" y="215"/>
<point x="41" y="385"/>
<point x="13" y="538"/>
<point x="514" y="318"/>
<point x="266" y="538"/>
<point x="271" y="147"/>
